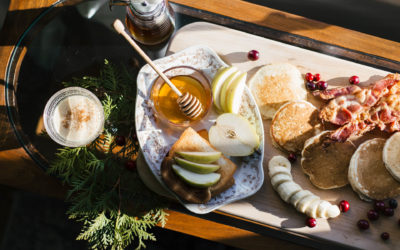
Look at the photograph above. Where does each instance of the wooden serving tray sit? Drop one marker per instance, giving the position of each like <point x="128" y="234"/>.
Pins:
<point x="265" y="206"/>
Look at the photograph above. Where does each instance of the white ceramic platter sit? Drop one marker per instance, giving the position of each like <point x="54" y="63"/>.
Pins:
<point x="156" y="139"/>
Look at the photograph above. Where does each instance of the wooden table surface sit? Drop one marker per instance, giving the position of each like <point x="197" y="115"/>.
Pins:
<point x="18" y="170"/>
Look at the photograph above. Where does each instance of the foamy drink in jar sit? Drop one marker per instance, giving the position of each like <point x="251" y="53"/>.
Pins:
<point x="74" y="117"/>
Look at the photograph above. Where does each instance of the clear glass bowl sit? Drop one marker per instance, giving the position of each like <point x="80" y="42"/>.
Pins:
<point x="49" y="117"/>
<point x="166" y="108"/>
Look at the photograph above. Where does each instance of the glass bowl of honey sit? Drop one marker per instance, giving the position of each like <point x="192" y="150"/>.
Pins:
<point x="186" y="79"/>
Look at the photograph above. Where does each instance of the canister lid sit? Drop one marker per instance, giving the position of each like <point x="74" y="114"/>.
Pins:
<point x="145" y="6"/>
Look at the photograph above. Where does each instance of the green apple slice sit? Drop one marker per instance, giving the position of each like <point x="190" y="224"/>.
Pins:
<point x="200" y="168"/>
<point x="224" y="89"/>
<point x="233" y="135"/>
<point x="194" y="179"/>
<point x="200" y="157"/>
<point x="218" y="81"/>
<point x="234" y="94"/>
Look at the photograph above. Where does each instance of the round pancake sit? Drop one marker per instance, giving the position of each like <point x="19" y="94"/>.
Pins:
<point x="368" y="175"/>
<point x="275" y="84"/>
<point x="293" y="124"/>
<point x="391" y="156"/>
<point x="326" y="162"/>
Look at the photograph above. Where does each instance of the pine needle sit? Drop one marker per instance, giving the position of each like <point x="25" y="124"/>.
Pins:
<point x="114" y="205"/>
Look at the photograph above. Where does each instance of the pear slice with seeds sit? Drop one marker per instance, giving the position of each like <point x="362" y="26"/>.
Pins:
<point x="233" y="135"/>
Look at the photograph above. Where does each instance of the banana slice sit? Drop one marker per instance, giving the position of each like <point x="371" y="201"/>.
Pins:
<point x="322" y="207"/>
<point x="311" y="209"/>
<point x="287" y="189"/>
<point x="278" y="170"/>
<point x="279" y="179"/>
<point x="332" y="211"/>
<point x="279" y="160"/>
<point x="303" y="200"/>
<point x="298" y="196"/>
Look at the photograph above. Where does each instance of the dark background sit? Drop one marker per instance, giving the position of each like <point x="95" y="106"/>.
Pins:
<point x="29" y="221"/>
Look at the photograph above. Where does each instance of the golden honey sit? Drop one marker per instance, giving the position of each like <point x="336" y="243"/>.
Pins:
<point x="165" y="99"/>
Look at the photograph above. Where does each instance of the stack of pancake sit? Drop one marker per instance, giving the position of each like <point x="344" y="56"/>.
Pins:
<point x="372" y="168"/>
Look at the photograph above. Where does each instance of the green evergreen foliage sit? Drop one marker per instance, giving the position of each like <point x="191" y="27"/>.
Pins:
<point x="114" y="205"/>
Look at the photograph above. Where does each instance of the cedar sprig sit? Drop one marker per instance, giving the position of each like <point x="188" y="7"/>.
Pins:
<point x="114" y="205"/>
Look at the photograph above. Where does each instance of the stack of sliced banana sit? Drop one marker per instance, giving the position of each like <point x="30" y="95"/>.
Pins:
<point x="303" y="200"/>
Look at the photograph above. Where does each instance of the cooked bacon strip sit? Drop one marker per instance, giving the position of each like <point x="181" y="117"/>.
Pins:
<point x="341" y="110"/>
<point x="393" y="126"/>
<point x="336" y="92"/>
<point x="353" y="128"/>
<point x="360" y="110"/>
<point x="342" y="117"/>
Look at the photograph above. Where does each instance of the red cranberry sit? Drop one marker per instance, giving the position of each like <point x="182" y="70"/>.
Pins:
<point x="292" y="157"/>
<point x="379" y="206"/>
<point x="354" y="80"/>
<point x="373" y="215"/>
<point x="363" y="224"/>
<point x="393" y="203"/>
<point x="309" y="77"/>
<point x="130" y="165"/>
<point x="385" y="236"/>
<point x="311" y="86"/>
<point x="253" y="55"/>
<point x="120" y="140"/>
<point x="317" y="77"/>
<point x="322" y="85"/>
<point x="311" y="222"/>
<point x="388" y="211"/>
<point x="344" y="206"/>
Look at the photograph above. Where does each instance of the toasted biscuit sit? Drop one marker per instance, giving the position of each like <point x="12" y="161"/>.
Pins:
<point x="275" y="84"/>
<point x="326" y="162"/>
<point x="190" y="140"/>
<point x="391" y="156"/>
<point x="368" y="175"/>
<point x="293" y="124"/>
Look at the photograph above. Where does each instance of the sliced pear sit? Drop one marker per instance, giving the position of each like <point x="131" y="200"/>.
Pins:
<point x="224" y="90"/>
<point x="218" y="82"/>
<point x="200" y="157"/>
<point x="234" y="94"/>
<point x="194" y="179"/>
<point x="233" y="135"/>
<point x="200" y="168"/>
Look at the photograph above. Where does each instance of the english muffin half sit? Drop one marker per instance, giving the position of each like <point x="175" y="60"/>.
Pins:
<point x="293" y="124"/>
<point x="275" y="84"/>
<point x="368" y="175"/>
<point x="391" y="155"/>
<point x="326" y="162"/>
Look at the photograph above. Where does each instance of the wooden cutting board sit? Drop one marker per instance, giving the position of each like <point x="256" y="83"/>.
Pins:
<point x="265" y="206"/>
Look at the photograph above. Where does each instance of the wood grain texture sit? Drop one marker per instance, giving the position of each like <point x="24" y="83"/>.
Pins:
<point x="298" y="25"/>
<point x="265" y="206"/>
<point x="18" y="170"/>
<point x="224" y="234"/>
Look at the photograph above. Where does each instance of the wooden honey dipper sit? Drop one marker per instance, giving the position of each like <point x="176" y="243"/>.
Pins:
<point x="188" y="104"/>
